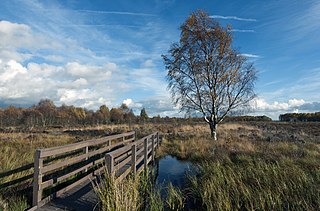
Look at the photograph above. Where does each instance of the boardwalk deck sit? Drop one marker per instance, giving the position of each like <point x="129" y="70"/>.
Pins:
<point x="80" y="198"/>
<point x="132" y="156"/>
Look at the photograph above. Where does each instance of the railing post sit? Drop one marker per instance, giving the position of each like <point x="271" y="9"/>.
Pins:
<point x="86" y="151"/>
<point x="158" y="139"/>
<point x="37" y="178"/>
<point x="145" y="153"/>
<point x="153" y="149"/>
<point x="134" y="158"/>
<point x="109" y="163"/>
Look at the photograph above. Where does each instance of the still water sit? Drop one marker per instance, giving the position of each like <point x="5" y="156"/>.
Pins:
<point x="170" y="169"/>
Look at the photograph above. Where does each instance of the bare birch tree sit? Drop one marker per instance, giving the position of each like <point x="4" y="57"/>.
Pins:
<point x="205" y="74"/>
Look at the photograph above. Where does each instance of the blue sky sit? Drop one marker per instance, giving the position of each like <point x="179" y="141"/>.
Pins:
<point x="89" y="53"/>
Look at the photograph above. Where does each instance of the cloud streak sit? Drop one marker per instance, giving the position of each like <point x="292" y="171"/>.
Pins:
<point x="250" y="55"/>
<point x="243" y="30"/>
<point x="233" y="18"/>
<point x="117" y="13"/>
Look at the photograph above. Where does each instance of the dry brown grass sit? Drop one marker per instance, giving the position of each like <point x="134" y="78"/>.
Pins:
<point x="252" y="167"/>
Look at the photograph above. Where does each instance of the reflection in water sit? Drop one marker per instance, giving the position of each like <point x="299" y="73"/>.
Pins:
<point x="169" y="169"/>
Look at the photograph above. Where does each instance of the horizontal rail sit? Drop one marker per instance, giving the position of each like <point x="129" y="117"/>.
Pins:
<point x="132" y="155"/>
<point x="47" y="164"/>
<point x="17" y="170"/>
<point x="16" y="181"/>
<point x="71" y="147"/>
<point x="77" y="159"/>
<point x="14" y="174"/>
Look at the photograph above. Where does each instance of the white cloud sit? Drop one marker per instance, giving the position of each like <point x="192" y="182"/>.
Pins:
<point x="117" y="13"/>
<point x="250" y="55"/>
<point x="243" y="30"/>
<point x="233" y="18"/>
<point x="148" y="63"/>
<point x="260" y="104"/>
<point x="129" y="102"/>
<point x="91" y="73"/>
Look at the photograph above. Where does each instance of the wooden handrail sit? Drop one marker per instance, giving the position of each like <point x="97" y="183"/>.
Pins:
<point x="129" y="156"/>
<point x="71" y="147"/>
<point x="86" y="161"/>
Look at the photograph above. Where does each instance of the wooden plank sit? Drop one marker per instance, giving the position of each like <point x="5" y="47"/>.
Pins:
<point x="59" y="179"/>
<point x="69" y="187"/>
<point x="153" y="148"/>
<point x="145" y="147"/>
<point x="37" y="179"/>
<point x="140" y="151"/>
<point x="140" y="169"/>
<point x="124" y="174"/>
<point x="123" y="156"/>
<point x="140" y="159"/>
<point x="129" y="140"/>
<point x="109" y="163"/>
<point x="133" y="158"/>
<point x="120" y="151"/>
<point x="77" y="159"/>
<point x="17" y="170"/>
<point x="122" y="163"/>
<point x="16" y="181"/>
<point x="71" y="147"/>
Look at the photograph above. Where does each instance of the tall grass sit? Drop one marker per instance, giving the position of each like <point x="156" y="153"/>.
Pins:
<point x="244" y="170"/>
<point x="137" y="192"/>
<point x="254" y="185"/>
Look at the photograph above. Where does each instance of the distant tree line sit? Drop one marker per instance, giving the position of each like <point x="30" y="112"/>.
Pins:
<point x="248" y="119"/>
<point x="300" y="117"/>
<point x="46" y="114"/>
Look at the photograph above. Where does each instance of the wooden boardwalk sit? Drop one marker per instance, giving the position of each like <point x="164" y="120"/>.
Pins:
<point x="63" y="175"/>
<point x="80" y="198"/>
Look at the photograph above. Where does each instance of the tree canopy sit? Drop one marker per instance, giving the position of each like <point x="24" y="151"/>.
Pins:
<point x="206" y="75"/>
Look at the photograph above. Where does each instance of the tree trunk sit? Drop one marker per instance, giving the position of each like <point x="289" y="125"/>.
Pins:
<point x="213" y="129"/>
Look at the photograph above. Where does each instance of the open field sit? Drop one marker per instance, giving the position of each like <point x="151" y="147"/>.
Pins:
<point x="254" y="165"/>
<point x="264" y="166"/>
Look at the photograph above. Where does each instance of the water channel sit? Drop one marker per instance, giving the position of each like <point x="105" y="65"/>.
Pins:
<point x="170" y="169"/>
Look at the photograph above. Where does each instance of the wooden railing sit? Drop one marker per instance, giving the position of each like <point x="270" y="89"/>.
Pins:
<point x="20" y="178"/>
<point x="124" y="160"/>
<point x="58" y="169"/>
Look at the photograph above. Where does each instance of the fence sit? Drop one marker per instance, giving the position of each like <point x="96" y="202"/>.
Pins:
<point x="58" y="169"/>
<point x="16" y="180"/>
<point x="129" y="158"/>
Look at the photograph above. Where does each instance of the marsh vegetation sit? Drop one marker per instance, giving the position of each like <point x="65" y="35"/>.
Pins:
<point x="253" y="165"/>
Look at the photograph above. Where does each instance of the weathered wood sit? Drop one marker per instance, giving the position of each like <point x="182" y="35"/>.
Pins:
<point x="145" y="153"/>
<point x="17" y="170"/>
<point x="122" y="163"/>
<point x="71" y="147"/>
<point x="120" y="151"/>
<point x="16" y="181"/>
<point x="69" y="187"/>
<point x="37" y="179"/>
<point x="109" y="163"/>
<point x="77" y="159"/>
<point x="153" y="148"/>
<point x="86" y="151"/>
<point x="133" y="158"/>
<point x="140" y="159"/>
<point x="130" y="154"/>
<point x="55" y="180"/>
<point x="124" y="174"/>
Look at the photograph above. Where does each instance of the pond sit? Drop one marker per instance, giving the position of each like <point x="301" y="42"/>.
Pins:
<point x="170" y="169"/>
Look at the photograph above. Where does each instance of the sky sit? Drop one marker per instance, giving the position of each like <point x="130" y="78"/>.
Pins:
<point x="95" y="52"/>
